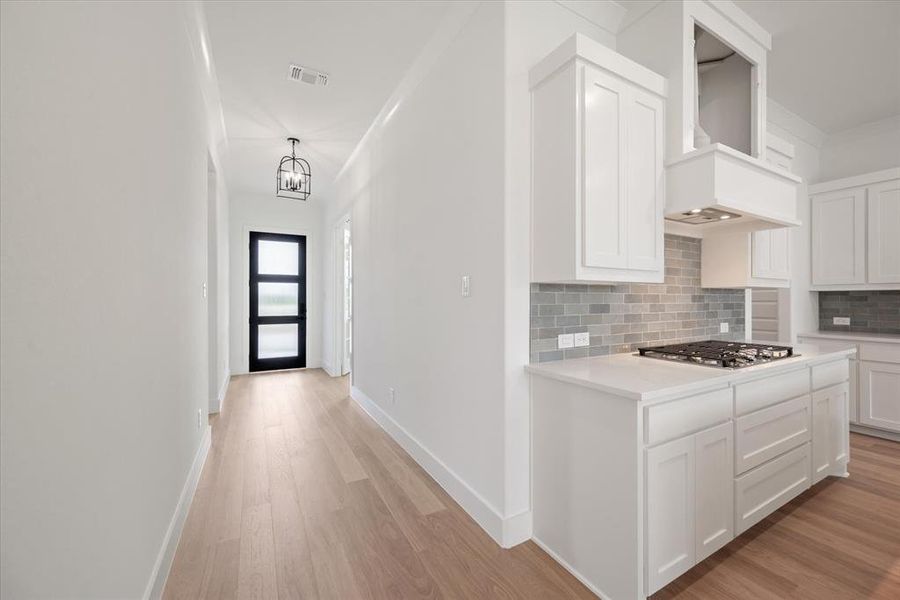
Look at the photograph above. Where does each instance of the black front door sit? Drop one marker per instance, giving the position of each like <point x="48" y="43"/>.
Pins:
<point x="277" y="301"/>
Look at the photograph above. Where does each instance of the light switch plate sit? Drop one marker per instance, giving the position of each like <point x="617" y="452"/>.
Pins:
<point x="466" y="286"/>
<point x="582" y="339"/>
<point x="723" y="327"/>
<point x="842" y="320"/>
<point x="565" y="340"/>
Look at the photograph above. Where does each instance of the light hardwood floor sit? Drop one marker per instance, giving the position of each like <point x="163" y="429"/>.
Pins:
<point x="304" y="496"/>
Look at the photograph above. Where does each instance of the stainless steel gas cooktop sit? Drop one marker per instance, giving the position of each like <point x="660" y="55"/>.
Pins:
<point x="725" y="355"/>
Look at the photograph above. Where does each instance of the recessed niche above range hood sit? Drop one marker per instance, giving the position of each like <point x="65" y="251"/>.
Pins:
<point x="719" y="187"/>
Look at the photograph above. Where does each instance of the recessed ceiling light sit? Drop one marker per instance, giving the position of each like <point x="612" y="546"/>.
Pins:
<point x="723" y="217"/>
<point x="696" y="210"/>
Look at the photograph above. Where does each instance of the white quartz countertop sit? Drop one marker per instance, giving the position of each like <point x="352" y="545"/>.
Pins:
<point x="642" y="378"/>
<point x="850" y="336"/>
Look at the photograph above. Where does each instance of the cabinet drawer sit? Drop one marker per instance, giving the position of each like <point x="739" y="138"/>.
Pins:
<point x="760" y="492"/>
<point x="765" y="434"/>
<point x="831" y="373"/>
<point x="889" y="353"/>
<point x="754" y="395"/>
<point x="678" y="418"/>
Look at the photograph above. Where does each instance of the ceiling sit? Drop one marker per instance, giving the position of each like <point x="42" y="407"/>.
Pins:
<point x="365" y="47"/>
<point x="834" y="63"/>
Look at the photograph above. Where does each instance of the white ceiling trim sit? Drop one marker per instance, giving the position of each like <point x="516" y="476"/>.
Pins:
<point x="636" y="12"/>
<point x="794" y="124"/>
<point x="742" y="21"/>
<point x="605" y="15"/>
<point x="866" y="130"/>
<point x="457" y="16"/>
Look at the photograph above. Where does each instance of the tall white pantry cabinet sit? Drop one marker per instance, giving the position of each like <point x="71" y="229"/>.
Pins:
<point x="598" y="188"/>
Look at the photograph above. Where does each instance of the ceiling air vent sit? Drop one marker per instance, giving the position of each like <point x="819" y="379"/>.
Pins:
<point x="307" y="75"/>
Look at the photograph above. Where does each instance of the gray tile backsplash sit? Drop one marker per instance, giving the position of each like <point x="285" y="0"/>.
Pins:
<point x="869" y="312"/>
<point x="620" y="318"/>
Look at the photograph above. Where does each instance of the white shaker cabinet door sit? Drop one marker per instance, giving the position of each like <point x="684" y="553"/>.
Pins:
<point x="830" y="441"/>
<point x="770" y="258"/>
<point x="623" y="177"/>
<point x="645" y="181"/>
<point x="884" y="232"/>
<point x="604" y="173"/>
<point x="879" y="395"/>
<point x="670" y="511"/>
<point x="839" y="237"/>
<point x="714" y="489"/>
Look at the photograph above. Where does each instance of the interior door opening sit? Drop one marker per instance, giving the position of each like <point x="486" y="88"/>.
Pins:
<point x="347" y="338"/>
<point x="277" y="301"/>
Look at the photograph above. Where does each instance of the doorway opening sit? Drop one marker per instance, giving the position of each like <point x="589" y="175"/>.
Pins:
<point x="347" y="317"/>
<point x="277" y="301"/>
<point x="340" y="321"/>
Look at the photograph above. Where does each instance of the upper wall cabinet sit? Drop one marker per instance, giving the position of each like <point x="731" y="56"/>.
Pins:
<point x="883" y="240"/>
<point x="855" y="232"/>
<point x="714" y="57"/>
<point x="598" y="186"/>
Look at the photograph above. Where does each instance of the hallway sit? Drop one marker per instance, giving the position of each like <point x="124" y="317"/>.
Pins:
<point x="304" y="496"/>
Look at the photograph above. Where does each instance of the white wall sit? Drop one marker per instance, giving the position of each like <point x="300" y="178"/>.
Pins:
<point x="869" y="147"/>
<point x="265" y="212"/>
<point x="426" y="191"/>
<point x="103" y="255"/>
<point x="440" y="188"/>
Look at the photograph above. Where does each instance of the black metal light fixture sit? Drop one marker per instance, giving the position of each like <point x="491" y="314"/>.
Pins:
<point x="292" y="180"/>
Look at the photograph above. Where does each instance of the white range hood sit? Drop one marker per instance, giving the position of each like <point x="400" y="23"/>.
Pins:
<point x="717" y="187"/>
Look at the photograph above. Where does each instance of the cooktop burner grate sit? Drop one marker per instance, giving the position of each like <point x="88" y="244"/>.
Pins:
<point x="728" y="355"/>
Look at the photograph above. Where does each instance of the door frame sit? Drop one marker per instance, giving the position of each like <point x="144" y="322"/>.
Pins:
<point x="337" y="312"/>
<point x="311" y="283"/>
<point x="257" y="321"/>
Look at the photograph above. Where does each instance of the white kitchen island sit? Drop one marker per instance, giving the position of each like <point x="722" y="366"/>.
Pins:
<point x="643" y="467"/>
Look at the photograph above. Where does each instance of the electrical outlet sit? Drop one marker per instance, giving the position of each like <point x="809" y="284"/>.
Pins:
<point x="199" y="418"/>
<point x="842" y="320"/>
<point x="205" y="290"/>
<point x="392" y="396"/>
<point x="565" y="340"/>
<point x="723" y="327"/>
<point x="466" y="288"/>
<point x="582" y="339"/>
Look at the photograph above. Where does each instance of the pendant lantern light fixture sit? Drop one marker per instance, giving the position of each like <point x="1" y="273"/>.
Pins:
<point x="292" y="180"/>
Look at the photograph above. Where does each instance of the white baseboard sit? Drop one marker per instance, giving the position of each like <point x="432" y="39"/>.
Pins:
<point x="874" y="432"/>
<point x="219" y="403"/>
<point x="160" y="572"/>
<point x="570" y="568"/>
<point x="327" y="368"/>
<point x="517" y="529"/>
<point x="507" y="532"/>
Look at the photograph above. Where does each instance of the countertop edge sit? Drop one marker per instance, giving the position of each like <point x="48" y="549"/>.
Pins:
<point x="850" y="336"/>
<point x="725" y="379"/>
